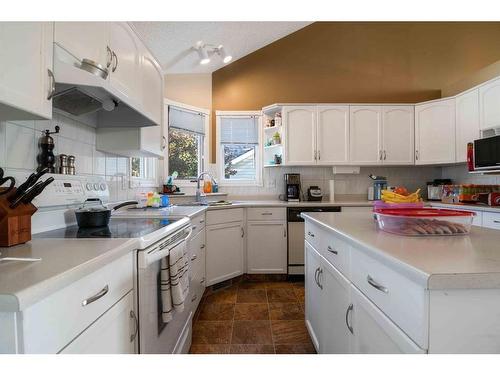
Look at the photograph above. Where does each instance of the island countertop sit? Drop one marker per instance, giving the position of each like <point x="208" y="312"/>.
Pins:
<point x="444" y="262"/>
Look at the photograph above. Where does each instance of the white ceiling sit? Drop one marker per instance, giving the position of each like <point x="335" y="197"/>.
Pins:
<point x="171" y="42"/>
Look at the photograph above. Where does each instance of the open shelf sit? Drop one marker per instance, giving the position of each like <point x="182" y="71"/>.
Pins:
<point x="273" y="146"/>
<point x="275" y="128"/>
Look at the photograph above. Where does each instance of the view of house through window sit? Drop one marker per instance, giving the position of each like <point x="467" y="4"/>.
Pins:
<point x="239" y="148"/>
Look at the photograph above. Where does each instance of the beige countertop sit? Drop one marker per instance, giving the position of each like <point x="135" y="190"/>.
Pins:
<point x="468" y="261"/>
<point x="63" y="261"/>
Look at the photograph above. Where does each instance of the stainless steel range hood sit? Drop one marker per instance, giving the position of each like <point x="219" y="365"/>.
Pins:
<point x="87" y="96"/>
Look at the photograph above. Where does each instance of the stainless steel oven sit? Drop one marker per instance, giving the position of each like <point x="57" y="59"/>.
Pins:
<point x="296" y="236"/>
<point x="156" y="337"/>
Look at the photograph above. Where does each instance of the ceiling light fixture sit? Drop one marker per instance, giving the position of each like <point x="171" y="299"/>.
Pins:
<point x="221" y="51"/>
<point x="204" y="53"/>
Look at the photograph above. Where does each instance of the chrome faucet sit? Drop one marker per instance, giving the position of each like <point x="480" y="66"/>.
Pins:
<point x="200" y="195"/>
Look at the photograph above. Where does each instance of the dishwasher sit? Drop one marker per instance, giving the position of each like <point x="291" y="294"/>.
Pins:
<point x="296" y="236"/>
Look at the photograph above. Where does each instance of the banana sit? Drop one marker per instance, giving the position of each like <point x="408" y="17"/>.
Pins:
<point x="391" y="197"/>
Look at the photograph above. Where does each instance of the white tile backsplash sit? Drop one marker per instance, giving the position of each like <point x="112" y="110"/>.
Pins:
<point x="460" y="175"/>
<point x="19" y="148"/>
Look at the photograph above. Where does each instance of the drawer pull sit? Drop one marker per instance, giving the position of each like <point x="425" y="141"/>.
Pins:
<point x="376" y="285"/>
<point x="194" y="298"/>
<point x="316" y="276"/>
<point x="347" y="313"/>
<point x="202" y="246"/>
<point x="496" y="221"/>
<point x="95" y="297"/>
<point x="136" y="326"/>
<point x="266" y="213"/>
<point x="194" y="257"/>
<point x="202" y="280"/>
<point x="194" y="227"/>
<point x="319" y="281"/>
<point x="311" y="234"/>
<point x="202" y="221"/>
<point x="331" y="250"/>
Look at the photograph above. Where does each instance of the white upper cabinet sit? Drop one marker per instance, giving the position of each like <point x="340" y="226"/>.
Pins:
<point x="152" y="86"/>
<point x="332" y="136"/>
<point x="365" y="135"/>
<point x="398" y="134"/>
<point x="125" y="65"/>
<point x="489" y="105"/>
<point x="467" y="122"/>
<point x="300" y="131"/>
<point x="435" y="132"/>
<point x="85" y="40"/>
<point x="26" y="70"/>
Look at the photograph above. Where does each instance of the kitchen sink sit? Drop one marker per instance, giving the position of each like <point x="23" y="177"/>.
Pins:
<point x="215" y="203"/>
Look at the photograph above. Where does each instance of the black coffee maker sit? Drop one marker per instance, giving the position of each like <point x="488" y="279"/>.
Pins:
<point x="292" y="187"/>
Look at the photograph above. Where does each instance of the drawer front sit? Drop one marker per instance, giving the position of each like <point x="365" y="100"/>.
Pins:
<point x="403" y="301"/>
<point x="198" y="223"/>
<point x="491" y="220"/>
<point x="66" y="311"/>
<point x="312" y="234"/>
<point x="335" y="250"/>
<point x="264" y="214"/>
<point x="224" y="216"/>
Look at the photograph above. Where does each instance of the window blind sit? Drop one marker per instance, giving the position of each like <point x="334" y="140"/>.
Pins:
<point x="242" y="130"/>
<point x="186" y="120"/>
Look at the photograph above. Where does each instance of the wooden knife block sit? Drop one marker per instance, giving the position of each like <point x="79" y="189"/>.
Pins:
<point x="15" y="224"/>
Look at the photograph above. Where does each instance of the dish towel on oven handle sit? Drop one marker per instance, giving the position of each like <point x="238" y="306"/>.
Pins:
<point x="174" y="281"/>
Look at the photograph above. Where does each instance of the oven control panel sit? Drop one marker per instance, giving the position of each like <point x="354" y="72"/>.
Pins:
<point x="70" y="190"/>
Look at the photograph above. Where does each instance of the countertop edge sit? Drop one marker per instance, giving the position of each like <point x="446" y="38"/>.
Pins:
<point x="415" y="274"/>
<point x="35" y="293"/>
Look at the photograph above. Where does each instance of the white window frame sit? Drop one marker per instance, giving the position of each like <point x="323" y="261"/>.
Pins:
<point x="150" y="178"/>
<point x="259" y="150"/>
<point x="206" y="139"/>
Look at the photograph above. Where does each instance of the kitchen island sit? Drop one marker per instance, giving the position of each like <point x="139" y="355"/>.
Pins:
<point x="371" y="291"/>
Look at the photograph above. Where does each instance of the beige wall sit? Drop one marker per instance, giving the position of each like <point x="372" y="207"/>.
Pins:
<point x="193" y="89"/>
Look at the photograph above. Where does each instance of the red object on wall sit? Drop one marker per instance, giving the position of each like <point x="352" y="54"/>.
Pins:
<point x="470" y="156"/>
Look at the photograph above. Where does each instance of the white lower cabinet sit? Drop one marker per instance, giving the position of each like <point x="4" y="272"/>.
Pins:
<point x="341" y="319"/>
<point x="266" y="247"/>
<point x="373" y="332"/>
<point x="224" y="256"/>
<point x="197" y="258"/>
<point x="114" y="332"/>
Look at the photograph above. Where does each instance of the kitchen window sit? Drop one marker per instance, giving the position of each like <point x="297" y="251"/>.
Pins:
<point x="143" y="172"/>
<point x="186" y="142"/>
<point x="239" y="156"/>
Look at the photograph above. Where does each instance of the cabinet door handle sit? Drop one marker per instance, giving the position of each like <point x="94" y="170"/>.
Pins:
<point x="316" y="276"/>
<point x="310" y="234"/>
<point x="315" y="155"/>
<point x="319" y="281"/>
<point x="416" y="154"/>
<point x="95" y="297"/>
<point x="319" y="155"/>
<point x="194" y="227"/>
<point x="202" y="221"/>
<point x="202" y="280"/>
<point x="194" y="257"/>
<point x="136" y="325"/>
<point x="164" y="141"/>
<point x="332" y="250"/>
<point x="194" y="298"/>
<point x="284" y="232"/>
<point x="202" y="246"/>
<point x="347" y="313"/>
<point x="385" y="155"/>
<point x="113" y="54"/>
<point x="496" y="221"/>
<point x="52" y="80"/>
<point x="376" y="285"/>
<point x="110" y="57"/>
<point x="380" y="154"/>
<point x="242" y="232"/>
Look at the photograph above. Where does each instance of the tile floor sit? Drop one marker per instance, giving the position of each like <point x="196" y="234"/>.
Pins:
<point x="252" y="317"/>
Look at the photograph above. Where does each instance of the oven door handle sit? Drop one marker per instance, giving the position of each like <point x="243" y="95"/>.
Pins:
<point x="146" y="258"/>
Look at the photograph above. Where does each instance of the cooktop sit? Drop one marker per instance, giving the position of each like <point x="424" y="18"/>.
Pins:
<point x="117" y="228"/>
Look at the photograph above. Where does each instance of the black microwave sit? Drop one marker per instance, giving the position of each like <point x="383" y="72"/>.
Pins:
<point x="487" y="153"/>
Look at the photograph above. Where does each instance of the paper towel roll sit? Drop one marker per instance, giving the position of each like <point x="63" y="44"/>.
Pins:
<point x="331" y="185"/>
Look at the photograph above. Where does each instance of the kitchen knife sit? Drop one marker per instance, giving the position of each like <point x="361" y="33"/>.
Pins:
<point x="31" y="180"/>
<point x="37" y="190"/>
<point x="20" y="198"/>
